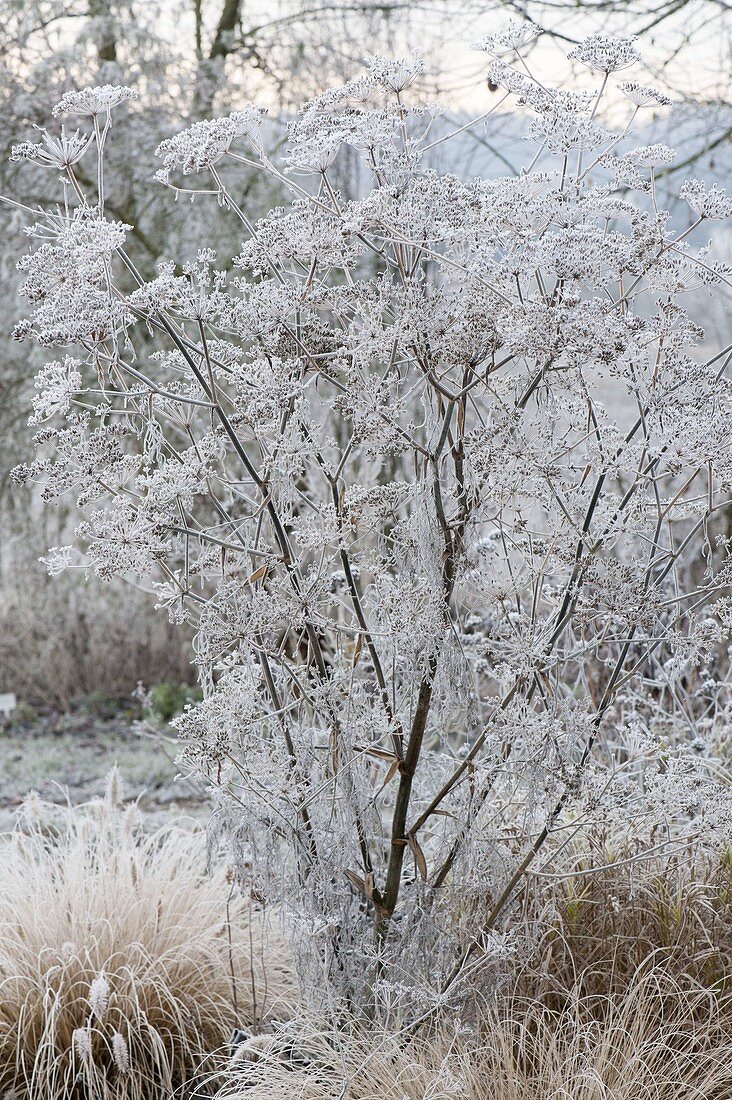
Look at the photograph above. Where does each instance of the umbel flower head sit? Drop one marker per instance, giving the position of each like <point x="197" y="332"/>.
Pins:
<point x="642" y="95"/>
<point x="395" y="75"/>
<point x="608" y="55"/>
<point x="512" y="36"/>
<point x="54" y="152"/>
<point x="91" y="102"/>
<point x="57" y="383"/>
<point x="708" y="202"/>
<point x="205" y="143"/>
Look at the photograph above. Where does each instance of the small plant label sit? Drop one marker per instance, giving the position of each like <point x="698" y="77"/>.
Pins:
<point x="8" y="703"/>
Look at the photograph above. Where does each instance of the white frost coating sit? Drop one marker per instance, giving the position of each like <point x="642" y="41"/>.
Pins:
<point x="445" y="601"/>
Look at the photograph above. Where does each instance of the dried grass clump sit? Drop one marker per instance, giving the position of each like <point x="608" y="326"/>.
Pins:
<point x="618" y="911"/>
<point x="655" y="1042"/>
<point x="123" y="967"/>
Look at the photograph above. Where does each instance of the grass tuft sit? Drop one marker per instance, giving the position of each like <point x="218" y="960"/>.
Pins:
<point x="653" y="1042"/>
<point x="123" y="967"/>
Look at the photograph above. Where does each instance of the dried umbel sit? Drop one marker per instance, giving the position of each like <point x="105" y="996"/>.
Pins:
<point x="438" y="471"/>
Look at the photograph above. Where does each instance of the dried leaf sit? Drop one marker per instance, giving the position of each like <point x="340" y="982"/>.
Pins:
<point x="446" y="813"/>
<point x="419" y="858"/>
<point x="258" y="574"/>
<point x="393" y="769"/>
<point x="357" y="882"/>
<point x="380" y="754"/>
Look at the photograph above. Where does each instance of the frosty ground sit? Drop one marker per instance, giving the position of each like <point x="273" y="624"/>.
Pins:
<point x="66" y="757"/>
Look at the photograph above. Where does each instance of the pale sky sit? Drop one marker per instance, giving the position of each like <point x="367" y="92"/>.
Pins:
<point x="443" y="29"/>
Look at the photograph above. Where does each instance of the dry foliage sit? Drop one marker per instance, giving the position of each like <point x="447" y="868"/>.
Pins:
<point x="622" y="995"/>
<point x="64" y="639"/>
<point x="123" y="967"/>
<point x="636" y="1051"/>
<point x="622" y="913"/>
<point x="116" y="982"/>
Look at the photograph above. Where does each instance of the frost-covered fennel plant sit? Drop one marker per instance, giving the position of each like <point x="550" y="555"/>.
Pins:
<point x="439" y="474"/>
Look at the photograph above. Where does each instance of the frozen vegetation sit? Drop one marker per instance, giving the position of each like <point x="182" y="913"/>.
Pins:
<point x="426" y="461"/>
